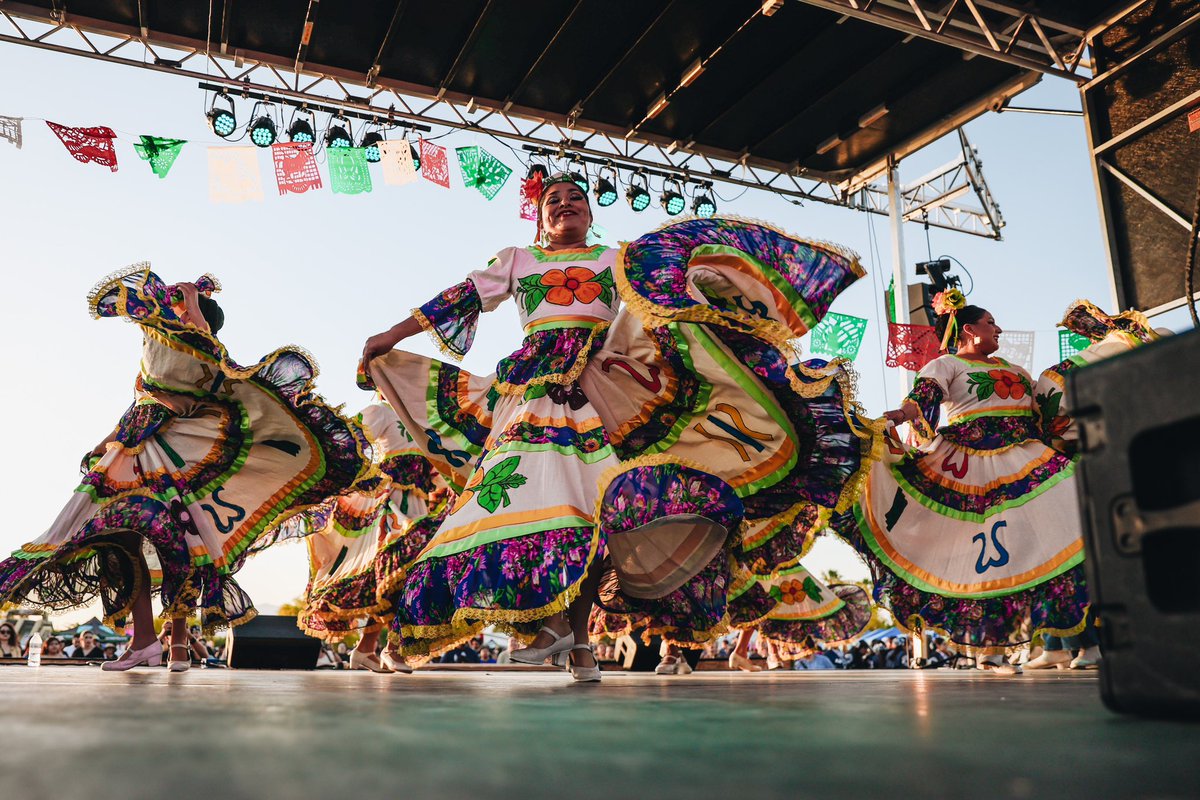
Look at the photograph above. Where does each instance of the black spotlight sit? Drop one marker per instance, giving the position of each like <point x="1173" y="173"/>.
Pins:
<point x="672" y="198"/>
<point x="536" y="170"/>
<point x="578" y="173"/>
<point x="262" y="128"/>
<point x="638" y="193"/>
<point x="416" y="157"/>
<point x="222" y="121"/>
<point x="370" y="143"/>
<point x="338" y="136"/>
<point x="606" y="187"/>
<point x="703" y="204"/>
<point x="301" y="131"/>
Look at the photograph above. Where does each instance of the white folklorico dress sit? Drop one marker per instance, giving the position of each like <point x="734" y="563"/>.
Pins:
<point x="976" y="533"/>
<point x="668" y="440"/>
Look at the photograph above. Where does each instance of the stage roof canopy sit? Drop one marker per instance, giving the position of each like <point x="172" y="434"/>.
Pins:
<point x="823" y="89"/>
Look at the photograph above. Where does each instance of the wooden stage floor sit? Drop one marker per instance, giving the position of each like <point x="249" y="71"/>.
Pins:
<point x="515" y="734"/>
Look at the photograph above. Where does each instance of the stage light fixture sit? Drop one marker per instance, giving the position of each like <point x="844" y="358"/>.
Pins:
<point x="416" y="157"/>
<point x="370" y="143"/>
<point x="301" y="131"/>
<point x="672" y="199"/>
<point x="338" y="136"/>
<point x="703" y="204"/>
<point x="606" y="187"/>
<point x="222" y="121"/>
<point x="536" y="170"/>
<point x="638" y="193"/>
<point x="577" y="171"/>
<point x="262" y="127"/>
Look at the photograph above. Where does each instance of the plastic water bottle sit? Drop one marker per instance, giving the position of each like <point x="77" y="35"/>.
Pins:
<point x="35" y="650"/>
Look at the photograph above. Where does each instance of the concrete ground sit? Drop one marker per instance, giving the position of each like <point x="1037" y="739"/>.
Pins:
<point x="68" y="732"/>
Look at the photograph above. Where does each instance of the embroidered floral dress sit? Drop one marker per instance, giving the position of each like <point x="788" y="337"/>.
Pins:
<point x="207" y="460"/>
<point x="360" y="544"/>
<point x="1109" y="336"/>
<point x="977" y="533"/>
<point x="655" y="439"/>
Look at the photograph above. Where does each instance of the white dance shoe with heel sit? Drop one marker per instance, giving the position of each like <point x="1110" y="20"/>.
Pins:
<point x="562" y="643"/>
<point x="583" y="674"/>
<point x="150" y="656"/>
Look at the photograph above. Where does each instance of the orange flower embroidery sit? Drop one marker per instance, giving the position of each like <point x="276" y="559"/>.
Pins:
<point x="1008" y="385"/>
<point x="575" y="283"/>
<point x="793" y="592"/>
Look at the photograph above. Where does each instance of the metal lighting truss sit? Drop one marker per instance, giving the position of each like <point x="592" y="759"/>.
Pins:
<point x="932" y="199"/>
<point x="298" y="83"/>
<point x="998" y="30"/>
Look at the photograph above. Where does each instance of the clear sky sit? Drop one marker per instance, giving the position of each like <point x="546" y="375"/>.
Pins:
<point x="326" y="271"/>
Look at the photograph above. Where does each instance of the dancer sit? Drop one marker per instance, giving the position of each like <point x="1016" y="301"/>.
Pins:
<point x="977" y="534"/>
<point x="771" y="592"/>
<point x="591" y="436"/>
<point x="208" y="458"/>
<point x="1109" y="336"/>
<point x="360" y="545"/>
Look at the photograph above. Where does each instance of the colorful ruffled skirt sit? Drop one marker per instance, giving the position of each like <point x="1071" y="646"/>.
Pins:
<point x="190" y="488"/>
<point x="977" y="538"/>
<point x="684" y="426"/>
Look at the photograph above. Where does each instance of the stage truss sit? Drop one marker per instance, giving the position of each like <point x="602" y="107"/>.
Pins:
<point x="936" y="200"/>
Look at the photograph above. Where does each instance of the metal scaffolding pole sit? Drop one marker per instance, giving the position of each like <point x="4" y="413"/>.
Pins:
<point x="899" y="278"/>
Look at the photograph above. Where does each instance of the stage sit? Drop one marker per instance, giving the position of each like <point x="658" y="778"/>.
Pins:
<point x="517" y="733"/>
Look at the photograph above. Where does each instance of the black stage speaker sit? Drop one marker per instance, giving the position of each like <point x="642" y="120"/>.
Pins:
<point x="272" y="643"/>
<point x="1139" y="491"/>
<point x="1146" y="153"/>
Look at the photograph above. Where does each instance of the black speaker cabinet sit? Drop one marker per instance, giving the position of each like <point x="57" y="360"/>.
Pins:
<point x="272" y="643"/>
<point x="1139" y="491"/>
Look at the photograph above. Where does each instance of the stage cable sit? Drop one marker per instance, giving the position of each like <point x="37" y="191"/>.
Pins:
<point x="1189" y="270"/>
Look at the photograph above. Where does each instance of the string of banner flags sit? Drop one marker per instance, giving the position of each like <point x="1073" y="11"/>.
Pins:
<point x="234" y="177"/>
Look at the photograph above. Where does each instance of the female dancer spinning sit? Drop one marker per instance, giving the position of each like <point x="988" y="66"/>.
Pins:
<point x="591" y="436"/>
<point x="976" y="534"/>
<point x="360" y="545"/>
<point x="206" y="460"/>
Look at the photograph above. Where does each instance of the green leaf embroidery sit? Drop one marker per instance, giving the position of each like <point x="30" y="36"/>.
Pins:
<point x="776" y="593"/>
<point x="534" y="392"/>
<point x="812" y="589"/>
<point x="532" y="292"/>
<point x="1050" y="404"/>
<point x="983" y="384"/>
<point x="605" y="280"/>
<point x="492" y="492"/>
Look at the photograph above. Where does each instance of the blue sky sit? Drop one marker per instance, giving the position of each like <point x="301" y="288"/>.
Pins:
<point x="325" y="271"/>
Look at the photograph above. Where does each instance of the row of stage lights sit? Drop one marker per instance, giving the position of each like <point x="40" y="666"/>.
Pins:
<point x="263" y="132"/>
<point x="605" y="190"/>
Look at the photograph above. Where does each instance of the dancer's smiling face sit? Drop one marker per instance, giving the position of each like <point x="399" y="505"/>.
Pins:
<point x="566" y="215"/>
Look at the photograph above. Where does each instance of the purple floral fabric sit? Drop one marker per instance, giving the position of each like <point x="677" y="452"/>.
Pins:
<point x="517" y="575"/>
<point x="454" y="315"/>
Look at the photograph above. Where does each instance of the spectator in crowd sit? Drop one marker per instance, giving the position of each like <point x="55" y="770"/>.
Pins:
<point x="816" y="660"/>
<point x="343" y="653"/>
<point x="110" y="652"/>
<point x="89" y="647"/>
<point x="10" y="645"/>
<point x="896" y="654"/>
<point x="486" y="657"/>
<point x="860" y="657"/>
<point x="73" y="648"/>
<point x="940" y="654"/>
<point x="196" y="648"/>
<point x="464" y="654"/>
<point x="53" y="648"/>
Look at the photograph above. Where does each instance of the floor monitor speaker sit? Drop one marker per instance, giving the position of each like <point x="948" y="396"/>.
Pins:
<point x="267" y="642"/>
<point x="1139" y="488"/>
